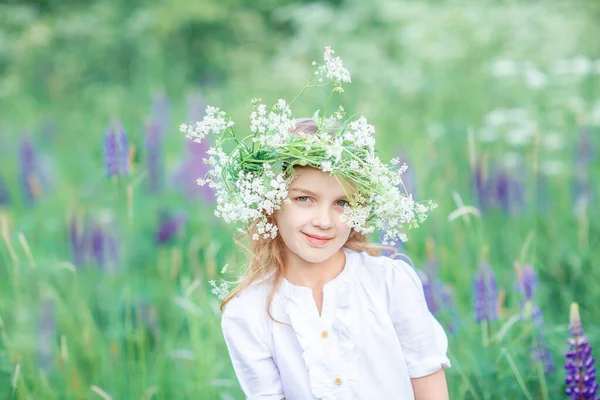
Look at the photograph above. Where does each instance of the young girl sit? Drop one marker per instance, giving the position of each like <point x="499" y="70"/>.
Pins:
<point x="320" y="314"/>
<point x="329" y="318"/>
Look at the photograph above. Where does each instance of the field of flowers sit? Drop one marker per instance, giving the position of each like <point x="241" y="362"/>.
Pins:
<point x="110" y="252"/>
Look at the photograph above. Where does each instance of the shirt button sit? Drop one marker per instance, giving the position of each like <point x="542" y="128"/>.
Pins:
<point x="324" y="334"/>
<point x="337" y="381"/>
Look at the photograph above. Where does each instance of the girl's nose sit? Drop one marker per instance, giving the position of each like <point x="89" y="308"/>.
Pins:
<point x="323" y="218"/>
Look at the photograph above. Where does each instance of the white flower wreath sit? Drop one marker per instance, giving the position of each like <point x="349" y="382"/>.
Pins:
<point x="253" y="180"/>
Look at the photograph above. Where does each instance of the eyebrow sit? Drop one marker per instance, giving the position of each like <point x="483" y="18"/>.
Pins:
<point x="313" y="193"/>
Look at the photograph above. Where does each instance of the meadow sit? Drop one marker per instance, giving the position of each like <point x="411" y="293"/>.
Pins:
<point x="108" y="245"/>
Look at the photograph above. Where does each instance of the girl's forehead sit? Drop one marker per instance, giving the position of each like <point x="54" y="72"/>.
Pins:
<point x="316" y="180"/>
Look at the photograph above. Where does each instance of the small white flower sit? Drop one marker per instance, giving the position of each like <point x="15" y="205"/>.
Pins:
<point x="326" y="166"/>
<point x="214" y="122"/>
<point x="220" y="291"/>
<point x="333" y="69"/>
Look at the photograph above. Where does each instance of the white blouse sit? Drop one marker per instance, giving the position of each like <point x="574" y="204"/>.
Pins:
<point x="374" y="334"/>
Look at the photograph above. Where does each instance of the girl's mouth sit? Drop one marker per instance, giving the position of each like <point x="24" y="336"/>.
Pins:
<point x="314" y="240"/>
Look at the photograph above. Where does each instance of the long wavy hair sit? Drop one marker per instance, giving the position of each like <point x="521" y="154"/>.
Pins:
<point x="267" y="255"/>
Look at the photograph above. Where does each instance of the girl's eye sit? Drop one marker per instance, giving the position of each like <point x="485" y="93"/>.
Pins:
<point x="344" y="202"/>
<point x="302" y="197"/>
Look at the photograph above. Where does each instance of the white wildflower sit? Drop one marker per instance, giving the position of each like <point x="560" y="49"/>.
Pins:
<point x="251" y="182"/>
<point x="360" y="133"/>
<point x="221" y="291"/>
<point x="535" y="78"/>
<point x="214" y="122"/>
<point x="333" y="69"/>
<point x="326" y="166"/>
<point x="334" y="151"/>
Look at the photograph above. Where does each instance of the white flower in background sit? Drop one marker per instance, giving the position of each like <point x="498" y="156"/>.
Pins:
<point x="553" y="141"/>
<point x="221" y="291"/>
<point x="552" y="167"/>
<point x="519" y="136"/>
<point x="334" y="68"/>
<point x="505" y="68"/>
<point x="512" y="159"/>
<point x="497" y="117"/>
<point x="214" y="122"/>
<point x="579" y="66"/>
<point x="534" y="77"/>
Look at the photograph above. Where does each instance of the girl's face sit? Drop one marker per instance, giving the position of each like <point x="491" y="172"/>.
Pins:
<point x="317" y="201"/>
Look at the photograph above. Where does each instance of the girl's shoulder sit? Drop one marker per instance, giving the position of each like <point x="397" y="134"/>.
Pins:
<point x="251" y="301"/>
<point x="386" y="271"/>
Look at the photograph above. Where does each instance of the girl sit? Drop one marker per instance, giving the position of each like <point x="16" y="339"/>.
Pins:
<point x="321" y="315"/>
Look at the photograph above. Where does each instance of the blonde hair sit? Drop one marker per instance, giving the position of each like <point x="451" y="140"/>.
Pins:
<point x="266" y="255"/>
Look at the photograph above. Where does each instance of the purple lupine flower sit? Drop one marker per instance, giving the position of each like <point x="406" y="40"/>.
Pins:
<point x="4" y="195"/>
<point x="527" y="280"/>
<point x="28" y="171"/>
<point x="585" y="148"/>
<point x="45" y="335"/>
<point x="539" y="350"/>
<point x="111" y="153"/>
<point x="169" y="227"/>
<point x="497" y="188"/>
<point x="154" y="157"/>
<point x="481" y="187"/>
<point x="509" y="192"/>
<point x="527" y="283"/>
<point x="103" y="247"/>
<point x="485" y="294"/>
<point x="116" y="151"/>
<point x="123" y="152"/>
<point x="579" y="363"/>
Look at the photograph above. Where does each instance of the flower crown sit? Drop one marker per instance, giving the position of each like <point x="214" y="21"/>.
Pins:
<point x="253" y="179"/>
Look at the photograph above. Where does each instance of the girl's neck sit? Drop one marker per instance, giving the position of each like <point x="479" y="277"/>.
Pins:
<point x="300" y="272"/>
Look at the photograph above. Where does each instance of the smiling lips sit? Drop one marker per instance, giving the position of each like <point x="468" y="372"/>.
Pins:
<point x="316" y="239"/>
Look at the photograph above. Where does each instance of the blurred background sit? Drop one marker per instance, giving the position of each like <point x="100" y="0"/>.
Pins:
<point x="107" y="245"/>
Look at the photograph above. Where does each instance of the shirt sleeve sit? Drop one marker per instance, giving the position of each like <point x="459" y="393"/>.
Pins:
<point x="421" y="336"/>
<point x="245" y="335"/>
